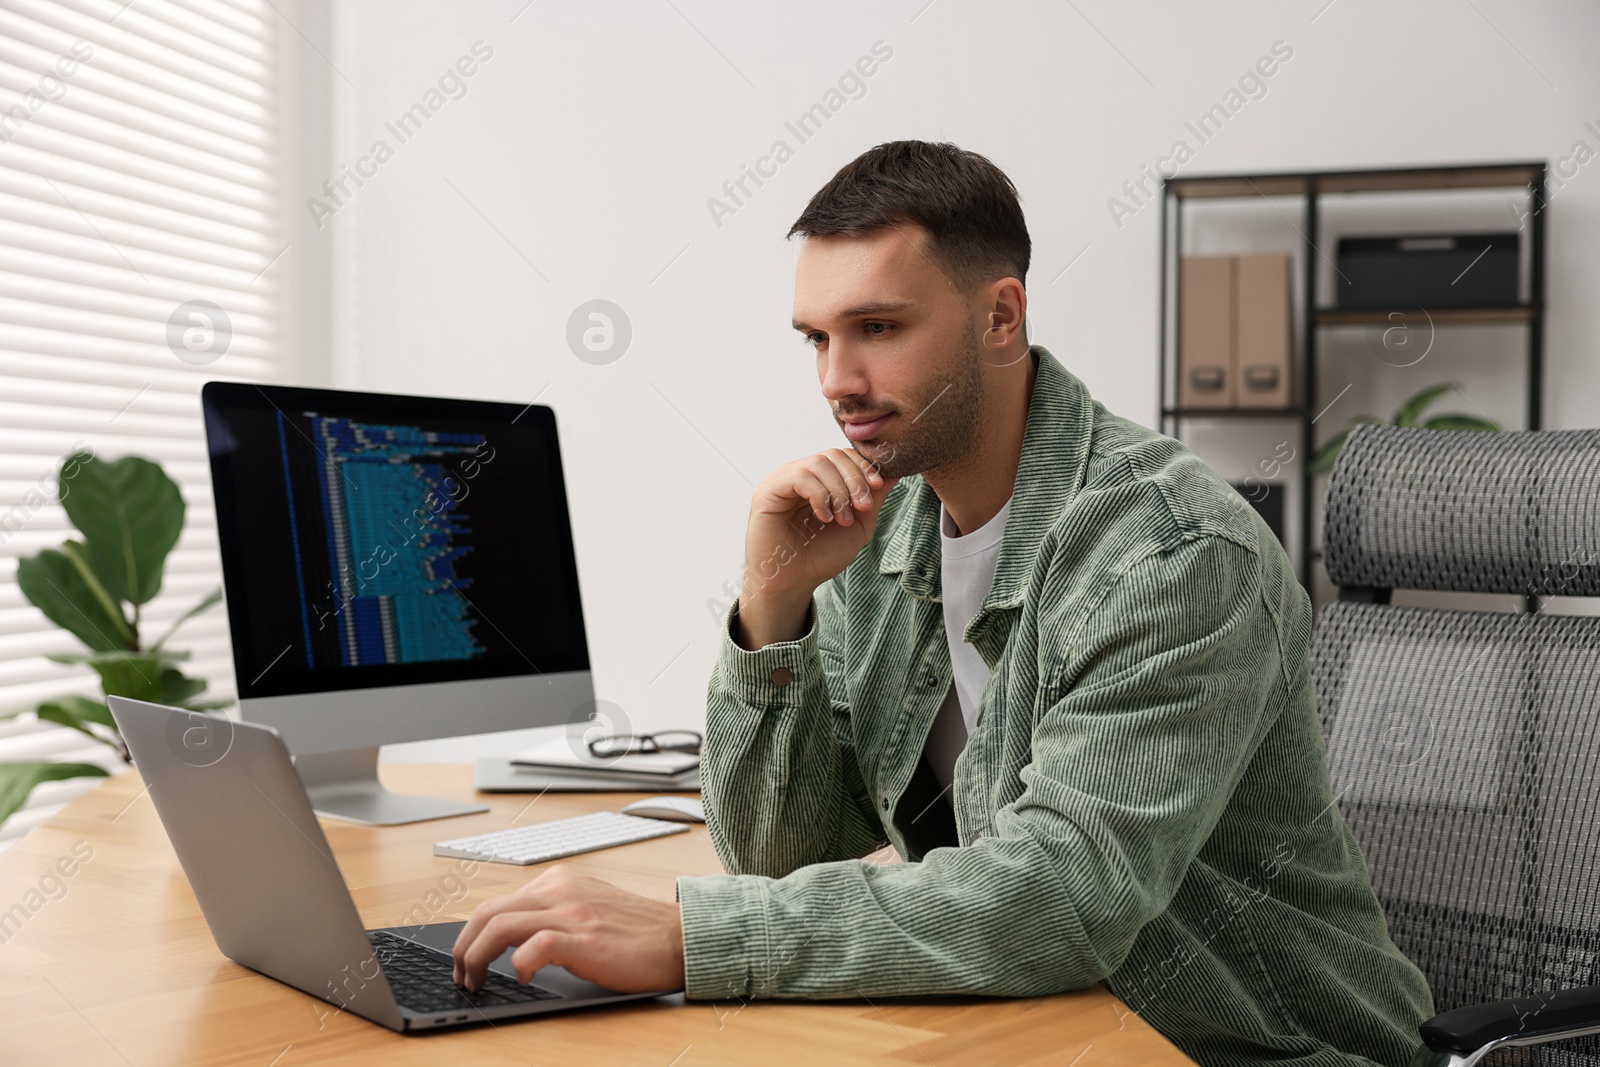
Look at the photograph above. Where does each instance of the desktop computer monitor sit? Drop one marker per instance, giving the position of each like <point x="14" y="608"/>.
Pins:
<point x="395" y="568"/>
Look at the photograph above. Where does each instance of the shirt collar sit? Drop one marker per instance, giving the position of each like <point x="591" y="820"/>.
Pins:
<point x="1050" y="471"/>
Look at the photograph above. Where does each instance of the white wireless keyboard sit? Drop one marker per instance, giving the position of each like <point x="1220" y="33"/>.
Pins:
<point x="552" y="840"/>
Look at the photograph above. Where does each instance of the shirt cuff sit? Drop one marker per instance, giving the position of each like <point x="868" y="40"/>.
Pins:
<point x="775" y="675"/>
<point x="725" y="938"/>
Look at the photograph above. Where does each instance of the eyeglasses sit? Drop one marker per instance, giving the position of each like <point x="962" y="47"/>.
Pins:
<point x="629" y="744"/>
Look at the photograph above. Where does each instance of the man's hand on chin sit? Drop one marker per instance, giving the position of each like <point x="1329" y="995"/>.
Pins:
<point x="621" y="940"/>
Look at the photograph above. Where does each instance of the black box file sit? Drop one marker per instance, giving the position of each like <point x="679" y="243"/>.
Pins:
<point x="1437" y="270"/>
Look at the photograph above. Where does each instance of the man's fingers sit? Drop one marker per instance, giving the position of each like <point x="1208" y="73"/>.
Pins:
<point x="593" y="929"/>
<point x="877" y="482"/>
<point x="543" y="948"/>
<point x="872" y="468"/>
<point x="811" y="488"/>
<point x="480" y="916"/>
<point x="498" y="934"/>
<point x="549" y="888"/>
<point x="827" y="472"/>
<point x="854" y="477"/>
<point x="474" y="926"/>
<point x="869" y="467"/>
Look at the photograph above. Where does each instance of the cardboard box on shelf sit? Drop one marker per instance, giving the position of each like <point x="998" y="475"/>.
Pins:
<point x="1206" y="338"/>
<point x="1262" y="335"/>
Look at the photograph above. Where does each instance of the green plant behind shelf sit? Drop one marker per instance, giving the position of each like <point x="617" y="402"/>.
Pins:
<point x="130" y="514"/>
<point x="1408" y="415"/>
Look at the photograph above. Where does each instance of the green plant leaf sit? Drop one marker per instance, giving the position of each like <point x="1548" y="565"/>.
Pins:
<point x="131" y="514"/>
<point x="57" y="586"/>
<point x="178" y="688"/>
<point x="1460" y="422"/>
<point x="145" y="676"/>
<point x="17" y="780"/>
<point x="133" y="675"/>
<point x="1412" y="409"/>
<point x="79" y="556"/>
<point x="80" y="713"/>
<point x="210" y="600"/>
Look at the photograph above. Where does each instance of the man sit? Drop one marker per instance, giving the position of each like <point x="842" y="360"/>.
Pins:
<point x="1045" y="653"/>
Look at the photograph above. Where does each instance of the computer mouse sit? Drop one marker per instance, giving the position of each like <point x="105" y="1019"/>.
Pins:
<point x="673" y="809"/>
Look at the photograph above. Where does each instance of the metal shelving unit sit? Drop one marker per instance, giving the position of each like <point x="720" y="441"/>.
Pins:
<point x="1312" y="186"/>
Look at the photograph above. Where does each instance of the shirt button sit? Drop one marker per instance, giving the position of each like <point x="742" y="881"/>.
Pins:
<point x="782" y="676"/>
<point x="933" y="679"/>
<point x="885" y="803"/>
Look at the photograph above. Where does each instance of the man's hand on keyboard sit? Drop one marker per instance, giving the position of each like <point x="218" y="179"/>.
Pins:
<point x="621" y="940"/>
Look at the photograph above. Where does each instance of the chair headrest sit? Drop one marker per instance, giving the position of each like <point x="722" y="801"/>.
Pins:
<point x="1515" y="511"/>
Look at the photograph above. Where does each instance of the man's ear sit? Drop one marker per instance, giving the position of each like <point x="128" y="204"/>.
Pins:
<point x="1005" y="312"/>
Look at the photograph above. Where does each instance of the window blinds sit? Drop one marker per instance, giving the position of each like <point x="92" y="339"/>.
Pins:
<point x="139" y="225"/>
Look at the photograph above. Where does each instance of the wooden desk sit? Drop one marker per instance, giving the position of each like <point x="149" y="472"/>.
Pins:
<point x="114" y="964"/>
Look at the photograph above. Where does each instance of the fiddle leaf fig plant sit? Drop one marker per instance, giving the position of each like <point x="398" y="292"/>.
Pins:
<point x="129" y="514"/>
<point x="1408" y="414"/>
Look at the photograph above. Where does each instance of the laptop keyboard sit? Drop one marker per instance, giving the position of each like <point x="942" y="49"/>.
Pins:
<point x="421" y="978"/>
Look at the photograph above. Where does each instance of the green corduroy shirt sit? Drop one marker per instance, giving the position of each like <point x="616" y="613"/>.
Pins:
<point x="1143" y="800"/>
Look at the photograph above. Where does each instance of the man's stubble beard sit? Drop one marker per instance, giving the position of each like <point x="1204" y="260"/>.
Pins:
<point x="939" y="430"/>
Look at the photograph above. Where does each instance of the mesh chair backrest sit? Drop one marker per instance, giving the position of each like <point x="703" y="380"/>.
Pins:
<point x="1464" y="746"/>
<point x="1514" y="512"/>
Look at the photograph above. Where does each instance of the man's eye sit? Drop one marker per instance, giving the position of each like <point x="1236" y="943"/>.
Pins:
<point x="810" y="339"/>
<point x="887" y="326"/>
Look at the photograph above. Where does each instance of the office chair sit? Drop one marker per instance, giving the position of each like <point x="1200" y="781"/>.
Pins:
<point x="1464" y="746"/>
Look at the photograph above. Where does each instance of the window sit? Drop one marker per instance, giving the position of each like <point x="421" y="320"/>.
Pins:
<point x="139" y="220"/>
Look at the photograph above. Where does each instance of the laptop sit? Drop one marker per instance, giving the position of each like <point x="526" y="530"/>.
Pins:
<point x="274" y="898"/>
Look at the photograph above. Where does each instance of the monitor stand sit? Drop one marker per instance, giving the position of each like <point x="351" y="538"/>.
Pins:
<point x="344" y="785"/>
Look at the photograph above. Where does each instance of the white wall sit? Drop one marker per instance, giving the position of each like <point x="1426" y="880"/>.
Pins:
<point x="579" y="163"/>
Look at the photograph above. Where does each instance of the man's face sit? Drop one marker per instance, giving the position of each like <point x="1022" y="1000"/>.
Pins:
<point x="893" y="338"/>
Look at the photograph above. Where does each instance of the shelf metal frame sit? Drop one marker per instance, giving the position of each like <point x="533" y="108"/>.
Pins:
<point x="1311" y="187"/>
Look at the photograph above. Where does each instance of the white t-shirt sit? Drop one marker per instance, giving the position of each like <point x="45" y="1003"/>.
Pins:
<point x="966" y="571"/>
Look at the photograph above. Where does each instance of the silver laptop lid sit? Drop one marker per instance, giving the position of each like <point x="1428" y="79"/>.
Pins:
<point x="259" y="863"/>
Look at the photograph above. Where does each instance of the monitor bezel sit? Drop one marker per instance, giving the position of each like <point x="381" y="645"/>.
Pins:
<point x="217" y="397"/>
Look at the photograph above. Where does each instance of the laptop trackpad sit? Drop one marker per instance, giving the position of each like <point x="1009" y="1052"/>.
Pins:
<point x="556" y="979"/>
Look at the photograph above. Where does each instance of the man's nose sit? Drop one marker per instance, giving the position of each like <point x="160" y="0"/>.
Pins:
<point x="842" y="374"/>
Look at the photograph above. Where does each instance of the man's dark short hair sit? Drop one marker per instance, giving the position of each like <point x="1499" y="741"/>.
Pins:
<point x="966" y="203"/>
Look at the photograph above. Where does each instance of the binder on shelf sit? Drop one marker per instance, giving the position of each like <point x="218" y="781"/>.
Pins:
<point x="1205" y="338"/>
<point x="1236" y="345"/>
<point x="1262" y="334"/>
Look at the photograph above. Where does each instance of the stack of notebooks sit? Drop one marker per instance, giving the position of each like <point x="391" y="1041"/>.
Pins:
<point x="563" y="763"/>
